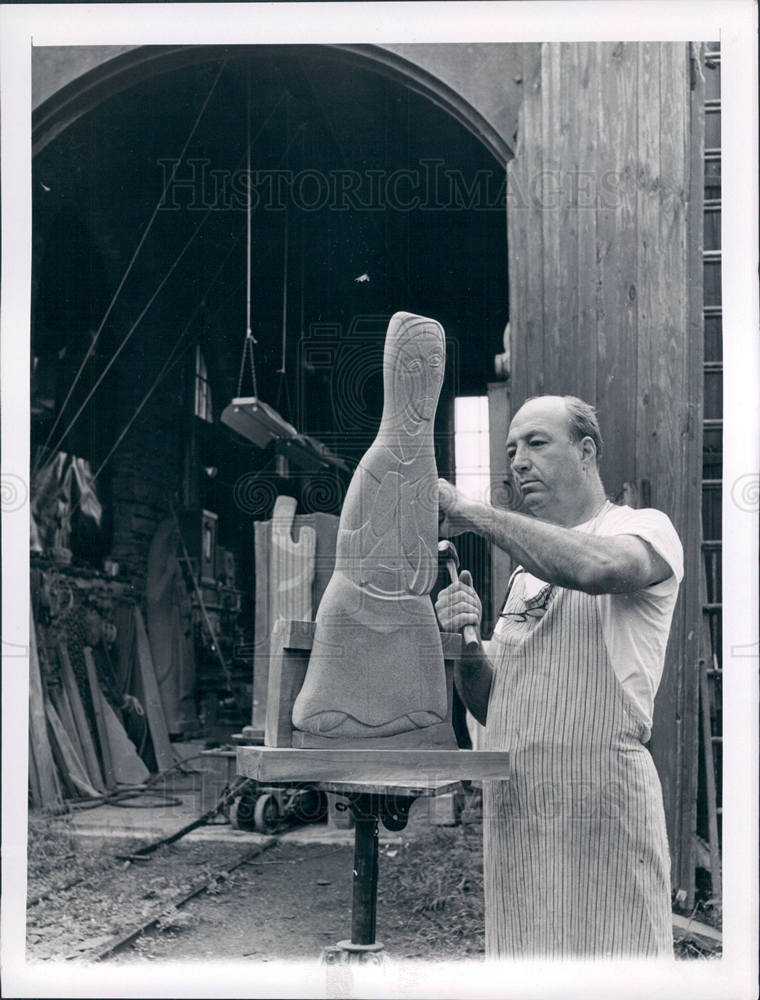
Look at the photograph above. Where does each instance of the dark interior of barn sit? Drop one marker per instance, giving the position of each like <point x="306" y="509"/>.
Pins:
<point x="365" y="198"/>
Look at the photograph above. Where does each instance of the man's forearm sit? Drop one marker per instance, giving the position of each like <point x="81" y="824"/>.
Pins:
<point x="558" y="555"/>
<point x="473" y="676"/>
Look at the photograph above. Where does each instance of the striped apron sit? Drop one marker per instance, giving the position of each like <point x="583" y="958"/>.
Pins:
<point x="576" y="856"/>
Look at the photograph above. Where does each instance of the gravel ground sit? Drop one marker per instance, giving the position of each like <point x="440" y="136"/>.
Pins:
<point x="289" y="902"/>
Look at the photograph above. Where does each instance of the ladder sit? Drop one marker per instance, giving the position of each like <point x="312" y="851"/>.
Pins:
<point x="712" y="461"/>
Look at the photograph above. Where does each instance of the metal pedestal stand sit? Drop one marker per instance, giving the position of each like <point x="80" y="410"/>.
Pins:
<point x="369" y="809"/>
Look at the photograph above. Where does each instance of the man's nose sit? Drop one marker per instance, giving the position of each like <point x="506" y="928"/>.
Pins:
<point x="520" y="460"/>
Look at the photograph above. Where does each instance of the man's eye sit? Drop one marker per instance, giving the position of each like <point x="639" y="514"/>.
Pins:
<point x="537" y="442"/>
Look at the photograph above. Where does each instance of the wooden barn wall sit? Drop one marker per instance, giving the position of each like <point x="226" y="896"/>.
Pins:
<point x="605" y="284"/>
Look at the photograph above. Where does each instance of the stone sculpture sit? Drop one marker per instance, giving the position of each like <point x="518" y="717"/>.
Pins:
<point x="376" y="667"/>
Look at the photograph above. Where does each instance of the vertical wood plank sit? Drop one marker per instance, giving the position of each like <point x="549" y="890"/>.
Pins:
<point x="97" y="708"/>
<point x="666" y="451"/>
<point x="667" y="362"/>
<point x="570" y="363"/>
<point x="650" y="414"/>
<point x="60" y="700"/>
<point x="552" y="175"/>
<point x="531" y="319"/>
<point x="68" y="788"/>
<point x="669" y="350"/>
<point x="80" y="718"/>
<point x="676" y="452"/>
<point x="692" y="587"/>
<point x="501" y="495"/>
<point x="517" y="227"/>
<point x="152" y="704"/>
<point x="587" y="98"/>
<point x="648" y="93"/>
<point x="41" y="764"/>
<point x="617" y="260"/>
<point x="71" y="765"/>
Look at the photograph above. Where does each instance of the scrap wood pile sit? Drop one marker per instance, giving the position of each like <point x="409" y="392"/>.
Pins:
<point x="97" y="727"/>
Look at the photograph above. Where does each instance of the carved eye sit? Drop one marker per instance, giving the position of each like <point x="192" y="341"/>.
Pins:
<point x="435" y="360"/>
<point x="414" y="365"/>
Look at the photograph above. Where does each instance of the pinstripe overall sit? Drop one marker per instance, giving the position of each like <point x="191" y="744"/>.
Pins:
<point x="575" y="849"/>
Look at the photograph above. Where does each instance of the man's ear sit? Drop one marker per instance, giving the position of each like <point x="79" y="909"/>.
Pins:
<point x="588" y="451"/>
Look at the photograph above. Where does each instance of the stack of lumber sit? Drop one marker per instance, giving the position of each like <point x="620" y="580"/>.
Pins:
<point x="78" y="746"/>
<point x="44" y="786"/>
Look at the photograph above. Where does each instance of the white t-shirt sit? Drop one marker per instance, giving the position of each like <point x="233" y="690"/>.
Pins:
<point x="636" y="626"/>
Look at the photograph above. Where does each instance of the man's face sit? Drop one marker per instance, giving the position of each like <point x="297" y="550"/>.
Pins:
<point x="545" y="463"/>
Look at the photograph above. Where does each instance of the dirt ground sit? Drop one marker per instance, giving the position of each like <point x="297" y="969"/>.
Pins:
<point x="289" y="902"/>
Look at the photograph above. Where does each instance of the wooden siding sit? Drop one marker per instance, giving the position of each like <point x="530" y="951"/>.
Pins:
<point x="605" y="282"/>
<point x="501" y="495"/>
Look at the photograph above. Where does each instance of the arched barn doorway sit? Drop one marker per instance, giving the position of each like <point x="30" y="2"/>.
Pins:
<point x="374" y="188"/>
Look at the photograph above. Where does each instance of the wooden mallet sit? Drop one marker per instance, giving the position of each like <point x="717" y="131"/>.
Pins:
<point x="447" y="551"/>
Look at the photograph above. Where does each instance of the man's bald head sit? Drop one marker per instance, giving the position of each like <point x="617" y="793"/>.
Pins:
<point x="580" y="416"/>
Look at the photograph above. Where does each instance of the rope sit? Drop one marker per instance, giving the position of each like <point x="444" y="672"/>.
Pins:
<point x="162" y="373"/>
<point x="288" y="142"/>
<point x="142" y="239"/>
<point x="281" y="369"/>
<point x="250" y="340"/>
<point x="248" y="352"/>
<point x="127" y="338"/>
<point x="249" y="206"/>
<point x="302" y="248"/>
<point x="289" y="406"/>
<point x="76" y="417"/>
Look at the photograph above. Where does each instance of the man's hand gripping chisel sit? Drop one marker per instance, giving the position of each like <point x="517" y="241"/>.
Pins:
<point x="448" y="552"/>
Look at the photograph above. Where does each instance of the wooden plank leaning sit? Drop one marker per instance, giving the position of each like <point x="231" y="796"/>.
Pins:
<point x="153" y="708"/>
<point x="60" y="702"/>
<point x="71" y="765"/>
<point x="97" y="707"/>
<point x="45" y="786"/>
<point x="80" y="718"/>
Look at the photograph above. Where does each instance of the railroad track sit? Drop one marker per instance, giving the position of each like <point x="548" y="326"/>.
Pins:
<point x="109" y="894"/>
<point x="125" y="937"/>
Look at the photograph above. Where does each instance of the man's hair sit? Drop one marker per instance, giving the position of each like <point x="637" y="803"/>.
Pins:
<point x="582" y="422"/>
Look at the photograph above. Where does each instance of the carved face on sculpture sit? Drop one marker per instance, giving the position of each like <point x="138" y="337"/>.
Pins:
<point x="414" y="363"/>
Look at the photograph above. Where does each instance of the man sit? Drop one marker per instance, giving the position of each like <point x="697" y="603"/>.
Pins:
<point x="575" y="850"/>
